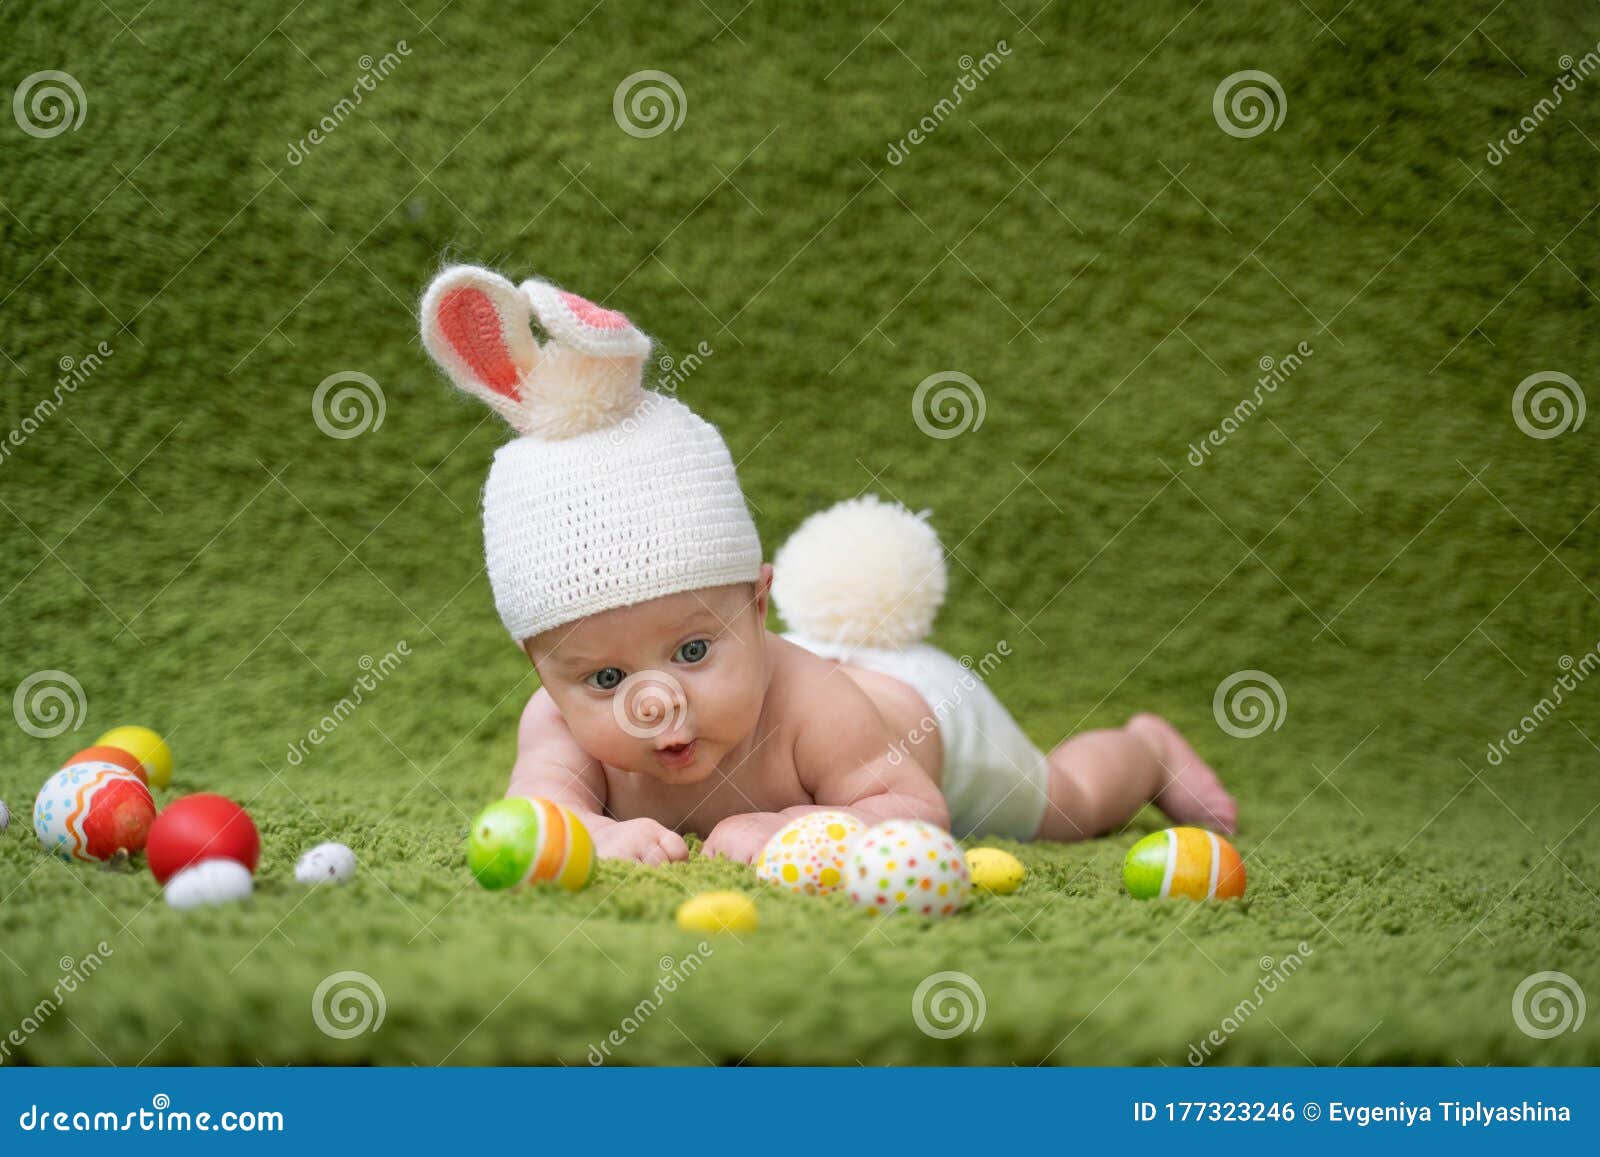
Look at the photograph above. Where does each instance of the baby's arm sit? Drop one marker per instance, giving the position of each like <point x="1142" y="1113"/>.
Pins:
<point x="550" y="765"/>
<point x="844" y="760"/>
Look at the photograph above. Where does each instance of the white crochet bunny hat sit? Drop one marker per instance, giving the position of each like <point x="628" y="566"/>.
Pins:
<point x="613" y="494"/>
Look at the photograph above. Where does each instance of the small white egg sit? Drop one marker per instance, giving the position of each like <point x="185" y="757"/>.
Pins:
<point x="215" y="881"/>
<point x="5" y="816"/>
<point x="326" y="864"/>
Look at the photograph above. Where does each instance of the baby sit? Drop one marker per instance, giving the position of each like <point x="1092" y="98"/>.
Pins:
<point x="625" y="563"/>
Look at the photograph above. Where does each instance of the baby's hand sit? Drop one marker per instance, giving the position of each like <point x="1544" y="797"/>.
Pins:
<point x="643" y="839"/>
<point x="741" y="838"/>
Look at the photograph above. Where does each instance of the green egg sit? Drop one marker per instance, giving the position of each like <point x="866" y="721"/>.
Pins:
<point x="1145" y="866"/>
<point x="503" y="842"/>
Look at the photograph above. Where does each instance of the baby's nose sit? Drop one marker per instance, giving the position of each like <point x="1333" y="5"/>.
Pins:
<point x="650" y="704"/>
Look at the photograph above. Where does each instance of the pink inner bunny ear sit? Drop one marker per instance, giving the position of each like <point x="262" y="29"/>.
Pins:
<point x="583" y="326"/>
<point x="475" y="323"/>
<point x="468" y="320"/>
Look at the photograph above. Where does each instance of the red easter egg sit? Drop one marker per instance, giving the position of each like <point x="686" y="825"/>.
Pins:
<point x="201" y="827"/>
<point x="119" y="819"/>
<point x="106" y="754"/>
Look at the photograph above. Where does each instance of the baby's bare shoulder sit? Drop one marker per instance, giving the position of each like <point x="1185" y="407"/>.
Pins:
<point x="804" y="683"/>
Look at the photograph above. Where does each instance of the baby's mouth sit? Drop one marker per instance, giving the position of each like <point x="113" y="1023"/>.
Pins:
<point x="677" y="754"/>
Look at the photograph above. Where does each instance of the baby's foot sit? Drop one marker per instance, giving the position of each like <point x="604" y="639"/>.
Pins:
<point x="1192" y="792"/>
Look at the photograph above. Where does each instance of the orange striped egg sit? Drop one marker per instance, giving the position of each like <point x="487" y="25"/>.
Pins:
<point x="530" y="841"/>
<point x="91" y="810"/>
<point x="1190" y="862"/>
<point x="807" y="854"/>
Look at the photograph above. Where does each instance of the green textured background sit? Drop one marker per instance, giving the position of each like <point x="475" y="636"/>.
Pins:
<point x="1082" y="239"/>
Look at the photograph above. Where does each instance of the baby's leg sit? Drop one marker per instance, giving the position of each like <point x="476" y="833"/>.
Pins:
<point x="1099" y="779"/>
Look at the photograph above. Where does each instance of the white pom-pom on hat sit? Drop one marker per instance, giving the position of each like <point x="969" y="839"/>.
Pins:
<point x="863" y="573"/>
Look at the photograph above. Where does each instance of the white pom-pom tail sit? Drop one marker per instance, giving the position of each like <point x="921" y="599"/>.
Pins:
<point x="863" y="573"/>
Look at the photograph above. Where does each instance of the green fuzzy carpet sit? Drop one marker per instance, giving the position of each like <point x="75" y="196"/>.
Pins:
<point x="1078" y="235"/>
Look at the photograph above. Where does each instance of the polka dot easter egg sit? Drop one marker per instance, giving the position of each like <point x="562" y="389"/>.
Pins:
<point x="908" y="866"/>
<point x="529" y="841"/>
<point x="93" y="810"/>
<point x="1189" y="862"/>
<point x="807" y="855"/>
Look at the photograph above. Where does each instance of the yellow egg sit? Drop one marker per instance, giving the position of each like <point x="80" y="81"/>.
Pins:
<point x="145" y="746"/>
<point x="995" y="871"/>
<point x="718" y="912"/>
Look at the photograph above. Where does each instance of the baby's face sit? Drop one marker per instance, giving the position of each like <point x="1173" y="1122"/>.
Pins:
<point x="664" y="688"/>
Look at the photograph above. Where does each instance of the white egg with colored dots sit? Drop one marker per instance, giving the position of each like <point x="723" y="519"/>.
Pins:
<point x="807" y="855"/>
<point x="908" y="866"/>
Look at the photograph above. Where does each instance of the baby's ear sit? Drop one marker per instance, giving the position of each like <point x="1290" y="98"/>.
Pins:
<point x="475" y="323"/>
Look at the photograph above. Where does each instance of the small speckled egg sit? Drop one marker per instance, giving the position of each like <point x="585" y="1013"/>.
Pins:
<point x="807" y="855"/>
<point x="1188" y="862"/>
<point x="908" y="866"/>
<point x="5" y="816"/>
<point x="326" y="864"/>
<point x="210" y="882"/>
<point x="718" y="912"/>
<point x="93" y="810"/>
<point x="995" y="871"/>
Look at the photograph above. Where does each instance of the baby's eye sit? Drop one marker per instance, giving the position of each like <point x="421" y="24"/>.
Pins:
<point x="606" y="679"/>
<point x="693" y="651"/>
